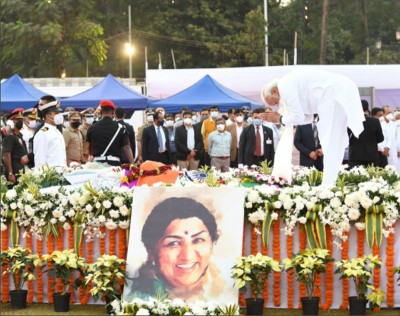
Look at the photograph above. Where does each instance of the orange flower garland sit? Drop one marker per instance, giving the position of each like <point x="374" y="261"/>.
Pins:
<point x="317" y="288"/>
<point x="102" y="241"/>
<point x="81" y="292"/>
<point x="28" y="239"/>
<point x="89" y="260"/>
<point x="122" y="243"/>
<point x="360" y="243"/>
<point x="377" y="271"/>
<point x="253" y="245"/>
<point x="290" y="273"/>
<point x="242" y="301"/>
<point x="4" y="277"/>
<point x="50" y="281"/>
<point x="111" y="242"/>
<point x="264" y="251"/>
<point x="329" y="273"/>
<point x="345" y="281"/>
<point x="71" y="246"/>
<point x="303" y="245"/>
<point x="60" y="247"/>
<point x="390" y="270"/>
<point x="277" y="256"/>
<point x="39" y="272"/>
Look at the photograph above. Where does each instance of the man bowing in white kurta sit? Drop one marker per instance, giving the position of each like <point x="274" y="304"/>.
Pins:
<point x="335" y="98"/>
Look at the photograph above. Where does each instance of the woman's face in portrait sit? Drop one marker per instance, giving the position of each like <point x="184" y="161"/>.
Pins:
<point x="184" y="252"/>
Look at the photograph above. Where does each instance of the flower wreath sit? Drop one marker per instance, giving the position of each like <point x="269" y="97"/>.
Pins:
<point x="135" y="172"/>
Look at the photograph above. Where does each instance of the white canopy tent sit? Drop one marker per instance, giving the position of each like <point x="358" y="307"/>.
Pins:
<point x="385" y="79"/>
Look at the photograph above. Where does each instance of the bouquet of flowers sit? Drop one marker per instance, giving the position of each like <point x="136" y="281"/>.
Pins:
<point x="307" y="264"/>
<point x="360" y="271"/>
<point x="252" y="271"/>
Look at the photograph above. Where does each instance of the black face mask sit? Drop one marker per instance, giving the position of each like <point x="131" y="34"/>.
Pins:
<point x="19" y="124"/>
<point x="75" y="124"/>
<point x="161" y="122"/>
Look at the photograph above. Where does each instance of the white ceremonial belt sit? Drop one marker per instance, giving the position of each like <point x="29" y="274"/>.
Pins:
<point x="102" y="158"/>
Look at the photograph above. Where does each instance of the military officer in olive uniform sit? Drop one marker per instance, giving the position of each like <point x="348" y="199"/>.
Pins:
<point x="73" y="138"/>
<point x="15" y="154"/>
<point x="108" y="137"/>
<point x="48" y="143"/>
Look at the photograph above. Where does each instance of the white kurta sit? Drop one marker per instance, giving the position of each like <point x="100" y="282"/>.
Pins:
<point x="336" y="100"/>
<point x="49" y="147"/>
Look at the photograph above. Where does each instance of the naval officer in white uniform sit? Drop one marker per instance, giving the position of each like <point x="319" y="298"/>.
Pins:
<point x="48" y="143"/>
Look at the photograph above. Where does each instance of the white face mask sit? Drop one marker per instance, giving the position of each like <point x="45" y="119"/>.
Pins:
<point x="390" y="117"/>
<point x="58" y="119"/>
<point x="31" y="124"/>
<point x="169" y="123"/>
<point x="10" y="123"/>
<point x="66" y="124"/>
<point x="150" y="118"/>
<point x="187" y="121"/>
<point x="214" y="114"/>
<point x="89" y="120"/>
<point x="250" y="120"/>
<point x="239" y="119"/>
<point x="382" y="119"/>
<point x="194" y="118"/>
<point x="397" y="122"/>
<point x="177" y="119"/>
<point x="220" y="127"/>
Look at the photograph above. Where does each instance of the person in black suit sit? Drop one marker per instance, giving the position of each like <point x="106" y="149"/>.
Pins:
<point x="188" y="154"/>
<point x="155" y="141"/>
<point x="120" y="117"/>
<point x="309" y="146"/>
<point x="363" y="151"/>
<point x="248" y="153"/>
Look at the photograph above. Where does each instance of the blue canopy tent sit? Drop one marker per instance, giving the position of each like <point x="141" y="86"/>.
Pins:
<point x="204" y="93"/>
<point x="107" y="89"/>
<point x="17" y="93"/>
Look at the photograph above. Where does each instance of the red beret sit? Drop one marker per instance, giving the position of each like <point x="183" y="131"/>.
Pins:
<point x="16" y="113"/>
<point x="107" y="103"/>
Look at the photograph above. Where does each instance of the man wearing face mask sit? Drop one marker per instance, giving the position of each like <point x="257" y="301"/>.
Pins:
<point x="15" y="154"/>
<point x="189" y="143"/>
<point x="390" y="126"/>
<point x="171" y="128"/>
<point x="30" y="122"/>
<point x="87" y="121"/>
<point x="207" y="128"/>
<point x="155" y="143"/>
<point x="256" y="143"/>
<point x="48" y="143"/>
<point x="149" y="121"/>
<point x="236" y="130"/>
<point x="219" y="146"/>
<point x="74" y="139"/>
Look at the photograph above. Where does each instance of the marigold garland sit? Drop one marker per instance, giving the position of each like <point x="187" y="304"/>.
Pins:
<point x="360" y="243"/>
<point x="102" y="245"/>
<point x="111" y="242"/>
<point x="89" y="260"/>
<point x="377" y="271"/>
<point x="4" y="277"/>
<point x="277" y="256"/>
<point x="28" y="239"/>
<point x="50" y="281"/>
<point x="60" y="247"/>
<point x="345" y="281"/>
<point x="390" y="270"/>
<point x="71" y="246"/>
<point x="329" y="273"/>
<point x="264" y="251"/>
<point x="39" y="272"/>
<point x="81" y="291"/>
<point x="253" y="244"/>
<point x="302" y="246"/>
<point x="290" y="273"/>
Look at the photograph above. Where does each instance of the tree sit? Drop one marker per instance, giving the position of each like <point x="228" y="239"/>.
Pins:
<point x="322" y="56"/>
<point x="45" y="38"/>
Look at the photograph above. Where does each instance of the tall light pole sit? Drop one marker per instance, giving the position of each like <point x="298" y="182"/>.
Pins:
<point x="130" y="42"/>
<point x="266" y="31"/>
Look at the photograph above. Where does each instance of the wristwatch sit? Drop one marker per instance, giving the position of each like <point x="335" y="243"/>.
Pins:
<point x="280" y="120"/>
<point x="10" y="174"/>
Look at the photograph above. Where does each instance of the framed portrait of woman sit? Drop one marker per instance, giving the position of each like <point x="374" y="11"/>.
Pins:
<point x="183" y="243"/>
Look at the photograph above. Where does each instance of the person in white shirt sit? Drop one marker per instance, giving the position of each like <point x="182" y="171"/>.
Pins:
<point x="48" y="143"/>
<point x="397" y="123"/>
<point x="384" y="146"/>
<point x="231" y="117"/>
<point x="390" y="126"/>
<point x="30" y="122"/>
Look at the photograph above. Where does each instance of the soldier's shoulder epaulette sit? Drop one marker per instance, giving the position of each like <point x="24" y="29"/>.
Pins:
<point x="44" y="129"/>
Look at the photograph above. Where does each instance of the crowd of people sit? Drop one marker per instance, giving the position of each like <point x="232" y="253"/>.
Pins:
<point x="47" y="135"/>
